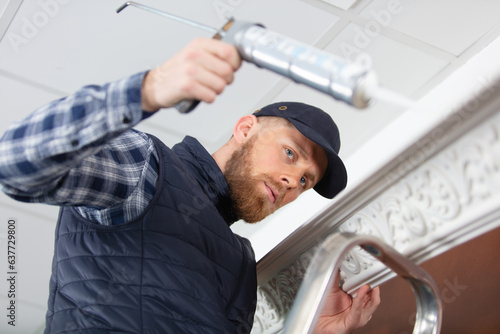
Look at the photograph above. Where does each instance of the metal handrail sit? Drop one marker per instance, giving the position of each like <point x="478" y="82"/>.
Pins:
<point x="326" y="263"/>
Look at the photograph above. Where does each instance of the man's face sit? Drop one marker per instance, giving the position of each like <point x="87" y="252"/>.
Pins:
<point x="271" y="169"/>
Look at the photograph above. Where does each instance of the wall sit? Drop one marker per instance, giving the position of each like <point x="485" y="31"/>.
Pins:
<point x="467" y="277"/>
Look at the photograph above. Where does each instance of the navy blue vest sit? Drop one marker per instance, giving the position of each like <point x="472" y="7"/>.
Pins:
<point x="177" y="268"/>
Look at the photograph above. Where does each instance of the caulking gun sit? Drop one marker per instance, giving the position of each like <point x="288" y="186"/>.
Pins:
<point x="350" y="82"/>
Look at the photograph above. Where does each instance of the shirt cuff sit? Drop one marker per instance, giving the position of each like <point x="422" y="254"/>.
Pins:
<point x="124" y="102"/>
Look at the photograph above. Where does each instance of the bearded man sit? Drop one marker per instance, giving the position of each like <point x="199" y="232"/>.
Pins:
<point x="143" y="243"/>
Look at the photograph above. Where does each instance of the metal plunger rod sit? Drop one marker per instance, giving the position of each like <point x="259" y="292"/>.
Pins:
<point x="168" y="15"/>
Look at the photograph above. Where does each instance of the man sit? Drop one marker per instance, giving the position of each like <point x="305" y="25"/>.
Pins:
<point x="143" y="243"/>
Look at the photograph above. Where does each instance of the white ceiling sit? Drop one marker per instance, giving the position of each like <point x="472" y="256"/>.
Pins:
<point x="49" y="48"/>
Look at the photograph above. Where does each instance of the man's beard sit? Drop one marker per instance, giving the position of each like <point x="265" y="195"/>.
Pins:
<point x="248" y="202"/>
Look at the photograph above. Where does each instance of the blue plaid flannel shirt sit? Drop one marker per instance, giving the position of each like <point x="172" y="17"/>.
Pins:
<point x="81" y="151"/>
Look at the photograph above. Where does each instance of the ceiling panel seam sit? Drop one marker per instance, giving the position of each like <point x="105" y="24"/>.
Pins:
<point x="8" y="15"/>
<point x="482" y="42"/>
<point x="352" y="16"/>
<point x="32" y="83"/>
<point x="459" y="61"/>
<point x="329" y="35"/>
<point x="354" y="10"/>
<point x="418" y="44"/>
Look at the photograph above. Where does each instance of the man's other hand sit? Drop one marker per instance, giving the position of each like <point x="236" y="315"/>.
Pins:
<point x="343" y="314"/>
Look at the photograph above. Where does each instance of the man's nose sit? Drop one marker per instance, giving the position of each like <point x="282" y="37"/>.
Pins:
<point x="290" y="180"/>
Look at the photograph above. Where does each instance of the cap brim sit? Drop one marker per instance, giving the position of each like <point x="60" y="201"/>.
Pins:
<point x="335" y="178"/>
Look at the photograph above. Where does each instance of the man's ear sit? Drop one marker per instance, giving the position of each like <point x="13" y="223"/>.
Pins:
<point x="243" y="128"/>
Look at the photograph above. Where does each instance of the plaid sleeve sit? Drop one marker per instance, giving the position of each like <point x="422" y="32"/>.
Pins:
<point x="77" y="151"/>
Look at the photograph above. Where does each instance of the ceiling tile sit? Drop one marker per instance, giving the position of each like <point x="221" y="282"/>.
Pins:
<point x="342" y="4"/>
<point x="293" y="18"/>
<point x="79" y="43"/>
<point x="394" y="62"/>
<point x="14" y="106"/>
<point x="450" y="25"/>
<point x="3" y="6"/>
<point x="8" y="9"/>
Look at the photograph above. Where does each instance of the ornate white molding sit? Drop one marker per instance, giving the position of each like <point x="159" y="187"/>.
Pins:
<point x="453" y="197"/>
<point x="438" y="188"/>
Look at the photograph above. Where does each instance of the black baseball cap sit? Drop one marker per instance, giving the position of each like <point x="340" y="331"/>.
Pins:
<point x="319" y="127"/>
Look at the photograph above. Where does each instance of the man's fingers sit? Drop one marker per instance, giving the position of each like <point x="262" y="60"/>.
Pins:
<point x="222" y="59"/>
<point x="207" y="87"/>
<point x="365" y="303"/>
<point x="222" y="50"/>
<point x="371" y="299"/>
<point x="216" y="74"/>
<point x="211" y="68"/>
<point x="374" y="298"/>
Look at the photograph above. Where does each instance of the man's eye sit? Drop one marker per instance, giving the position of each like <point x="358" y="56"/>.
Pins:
<point x="303" y="181"/>
<point x="289" y="153"/>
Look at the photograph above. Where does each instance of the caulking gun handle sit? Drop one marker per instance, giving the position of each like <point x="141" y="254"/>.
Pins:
<point x="186" y="106"/>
